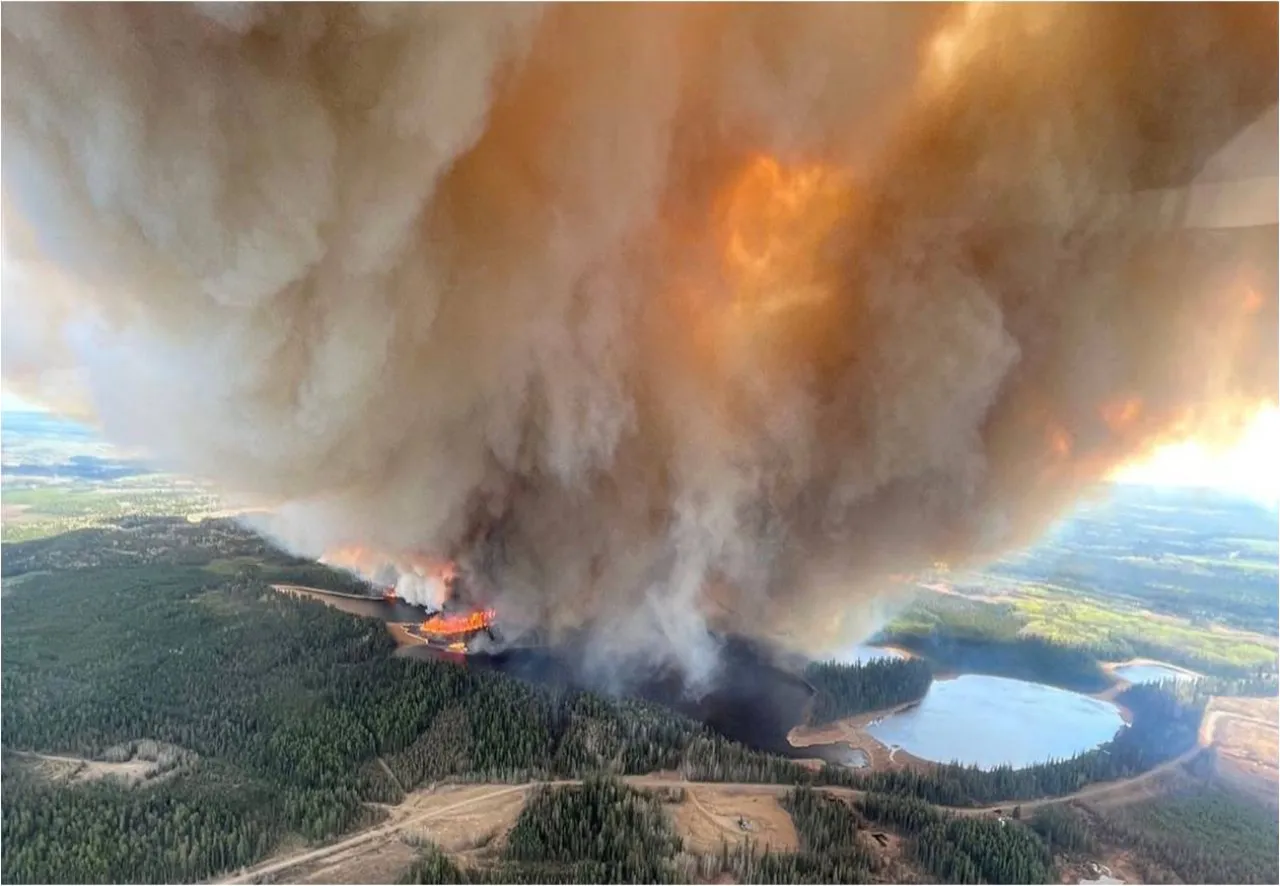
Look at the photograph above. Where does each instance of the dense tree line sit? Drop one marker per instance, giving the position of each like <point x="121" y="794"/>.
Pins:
<point x="961" y="635"/>
<point x="965" y="635"/>
<point x="1063" y="828"/>
<point x="1218" y="565"/>
<point x="1021" y="657"/>
<point x="621" y="833"/>
<point x="139" y="541"/>
<point x="279" y="698"/>
<point x="1260" y="684"/>
<point x="962" y="849"/>
<point x="297" y="715"/>
<point x="1202" y="836"/>
<point x="106" y="833"/>
<point x="598" y="832"/>
<point x="848" y="690"/>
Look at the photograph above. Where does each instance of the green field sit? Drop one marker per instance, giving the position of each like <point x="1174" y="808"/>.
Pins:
<point x="1188" y="577"/>
<point x="39" y="511"/>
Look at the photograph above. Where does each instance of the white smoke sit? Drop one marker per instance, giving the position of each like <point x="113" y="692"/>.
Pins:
<point x="451" y="280"/>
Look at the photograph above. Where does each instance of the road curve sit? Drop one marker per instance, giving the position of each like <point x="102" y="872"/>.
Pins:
<point x="1094" y="792"/>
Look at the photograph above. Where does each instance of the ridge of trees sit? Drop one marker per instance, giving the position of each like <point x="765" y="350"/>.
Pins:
<point x="962" y="849"/>
<point x="978" y="643"/>
<point x="282" y="700"/>
<point x="846" y="690"/>
<point x="1201" y="834"/>
<point x="601" y="831"/>
<point x="288" y="705"/>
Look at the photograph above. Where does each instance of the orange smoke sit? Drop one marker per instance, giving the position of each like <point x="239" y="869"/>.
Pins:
<point x="1121" y="414"/>
<point x="368" y="561"/>
<point x="1059" y="441"/>
<point x="1252" y="302"/>
<point x="773" y="221"/>
<point x="352" y="557"/>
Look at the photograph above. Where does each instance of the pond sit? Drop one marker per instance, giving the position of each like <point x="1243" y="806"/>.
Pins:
<point x="994" y="721"/>
<point x="1151" y="672"/>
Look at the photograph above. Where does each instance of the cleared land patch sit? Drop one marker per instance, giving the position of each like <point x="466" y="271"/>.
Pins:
<point x="711" y="816"/>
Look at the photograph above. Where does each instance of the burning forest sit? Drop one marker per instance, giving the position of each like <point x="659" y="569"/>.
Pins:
<point x="658" y="323"/>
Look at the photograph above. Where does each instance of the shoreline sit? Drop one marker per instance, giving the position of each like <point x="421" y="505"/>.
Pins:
<point x="851" y="732"/>
<point x="1111" y="667"/>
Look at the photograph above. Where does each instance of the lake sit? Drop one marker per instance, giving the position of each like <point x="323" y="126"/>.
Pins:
<point x="1151" y="672"/>
<point x="994" y="721"/>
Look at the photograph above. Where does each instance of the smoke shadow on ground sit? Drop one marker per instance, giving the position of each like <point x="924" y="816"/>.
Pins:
<point x="752" y="699"/>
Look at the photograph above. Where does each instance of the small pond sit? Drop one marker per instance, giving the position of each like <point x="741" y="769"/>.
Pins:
<point x="994" y="721"/>
<point x="1151" y="672"/>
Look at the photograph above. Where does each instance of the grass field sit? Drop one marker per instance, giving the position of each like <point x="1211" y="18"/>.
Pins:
<point x="1081" y="622"/>
<point x="39" y="511"/>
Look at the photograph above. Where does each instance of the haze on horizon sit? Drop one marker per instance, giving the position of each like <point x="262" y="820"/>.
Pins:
<point x="1246" y="467"/>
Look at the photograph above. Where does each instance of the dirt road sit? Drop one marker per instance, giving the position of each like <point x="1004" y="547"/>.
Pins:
<point x="397" y="823"/>
<point x="406" y="816"/>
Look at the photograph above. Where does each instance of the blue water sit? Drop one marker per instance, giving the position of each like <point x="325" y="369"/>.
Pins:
<point x="994" y="721"/>
<point x="1150" y="673"/>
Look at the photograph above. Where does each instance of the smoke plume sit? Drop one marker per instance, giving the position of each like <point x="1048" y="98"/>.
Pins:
<point x="660" y="319"/>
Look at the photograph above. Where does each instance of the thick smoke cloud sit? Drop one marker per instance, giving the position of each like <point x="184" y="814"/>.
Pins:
<point x="655" y="318"/>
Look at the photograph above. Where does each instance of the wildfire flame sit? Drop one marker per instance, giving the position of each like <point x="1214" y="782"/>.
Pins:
<point x="369" y="563"/>
<point x="442" y="624"/>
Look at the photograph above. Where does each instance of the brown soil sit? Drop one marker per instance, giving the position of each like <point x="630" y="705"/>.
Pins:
<point x="77" y="770"/>
<point x="384" y="863"/>
<point x="400" y="633"/>
<point x="710" y="816"/>
<point x="1246" y="734"/>
<point x="478" y="818"/>
<point x="15" y="513"/>
<point x="1111" y="666"/>
<point x="461" y="816"/>
<point x="852" y="732"/>
<point x="351" y="605"/>
<point x="1118" y="865"/>
<point x="888" y="847"/>
<point x="473" y="820"/>
<point x="948" y="589"/>
<point x="484" y="822"/>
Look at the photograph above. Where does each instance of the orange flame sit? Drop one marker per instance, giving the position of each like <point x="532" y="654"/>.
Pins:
<point x="448" y="625"/>
<point x="367" y="562"/>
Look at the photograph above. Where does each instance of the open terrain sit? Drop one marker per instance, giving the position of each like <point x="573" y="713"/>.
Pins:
<point x="1245" y="732"/>
<point x="78" y="770"/>
<point x="318" y="755"/>
<point x="466" y="819"/>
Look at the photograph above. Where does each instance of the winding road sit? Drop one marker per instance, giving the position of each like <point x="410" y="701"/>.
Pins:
<point x="1095" y="791"/>
<point x="403" y="816"/>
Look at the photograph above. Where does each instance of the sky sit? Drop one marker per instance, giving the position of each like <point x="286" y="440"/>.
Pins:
<point x="1250" y="468"/>
<point x="13" y="403"/>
